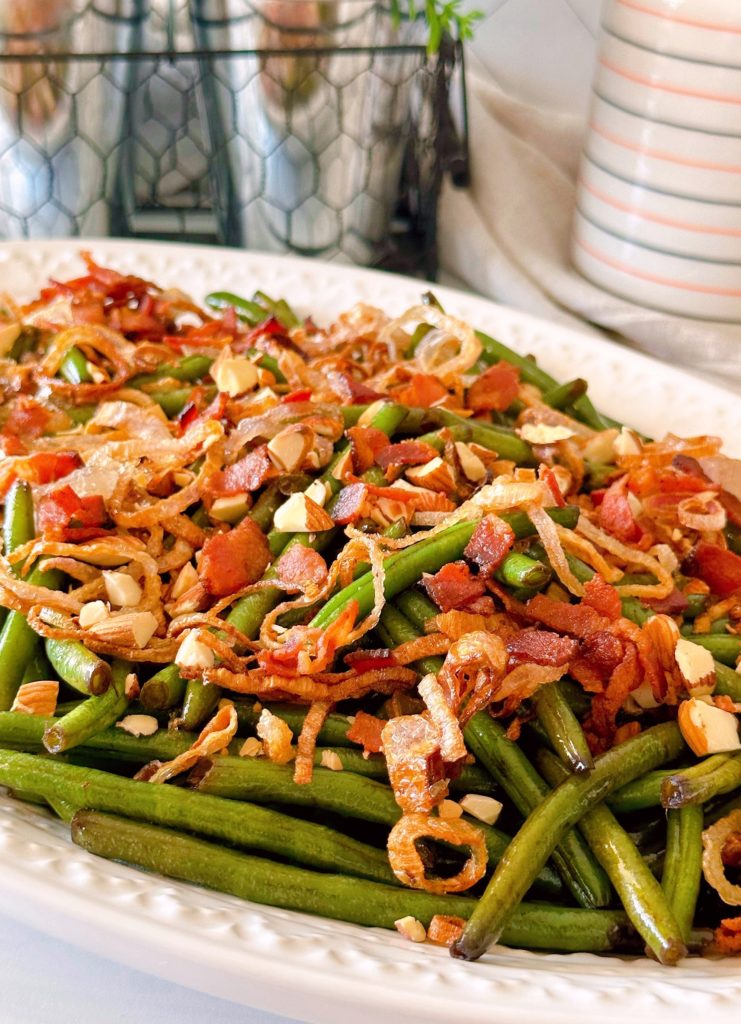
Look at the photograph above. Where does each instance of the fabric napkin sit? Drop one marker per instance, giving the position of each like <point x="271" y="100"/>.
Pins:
<point x="507" y="236"/>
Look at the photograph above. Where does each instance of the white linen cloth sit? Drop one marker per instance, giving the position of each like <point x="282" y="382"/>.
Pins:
<point x="507" y="236"/>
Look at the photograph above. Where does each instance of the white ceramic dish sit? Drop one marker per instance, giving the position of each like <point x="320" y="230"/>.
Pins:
<point x="678" y="284"/>
<point x="672" y="224"/>
<point x="700" y="30"/>
<point x="690" y="93"/>
<point x="682" y="161"/>
<point x="305" y="967"/>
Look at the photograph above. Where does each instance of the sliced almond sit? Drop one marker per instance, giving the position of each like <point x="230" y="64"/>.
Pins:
<point x="92" y="612"/>
<point x="139" y="725"/>
<point x="231" y="508"/>
<point x="252" y="747"/>
<point x="343" y="467"/>
<point x="123" y="591"/>
<point x="290" y="446"/>
<point x="411" y="929"/>
<point x="193" y="653"/>
<point x="485" y="808"/>
<point x="8" y="336"/>
<point x="707" y="729"/>
<point x="697" y="667"/>
<point x="600" y="448"/>
<point x="299" y="514"/>
<point x="132" y="629"/>
<point x="317" y="492"/>
<point x="472" y="466"/>
<point x="332" y="761"/>
<point x="545" y="433"/>
<point x="641" y="699"/>
<point x="37" y="698"/>
<point x="233" y="375"/>
<point x="435" y="475"/>
<point x="131" y="686"/>
<point x="627" y="443"/>
<point x="186" y="578"/>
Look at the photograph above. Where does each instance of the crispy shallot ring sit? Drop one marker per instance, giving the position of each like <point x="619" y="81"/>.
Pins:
<point x="406" y="862"/>
<point x="628" y="555"/>
<point x="713" y="841"/>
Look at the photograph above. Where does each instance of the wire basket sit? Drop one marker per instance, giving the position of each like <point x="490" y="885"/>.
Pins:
<point x="174" y="121"/>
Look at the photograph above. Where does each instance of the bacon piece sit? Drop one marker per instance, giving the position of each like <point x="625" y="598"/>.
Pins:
<point x="39" y="468"/>
<point x="368" y="661"/>
<point x="444" y="930"/>
<point x="351" y="504"/>
<point x="308" y="650"/>
<point x="603" y="651"/>
<point x="302" y="395"/>
<point x="405" y="453"/>
<point x="718" y="567"/>
<point x="727" y="938"/>
<point x="495" y="390"/>
<point x="454" y="586"/>
<point x="491" y="541"/>
<point x="300" y="568"/>
<point x="249" y="474"/>
<point x="615" y="513"/>
<point x="673" y="604"/>
<point x="366" y="730"/>
<point x="28" y="419"/>
<point x="63" y="515"/>
<point x="605" y="706"/>
<point x="365" y="443"/>
<point x="546" y="474"/>
<point x="603" y="597"/>
<point x="233" y="560"/>
<point x="423" y="390"/>
<point x="415" y="764"/>
<point x="578" y="619"/>
<point x="541" y="647"/>
<point x="355" y="392"/>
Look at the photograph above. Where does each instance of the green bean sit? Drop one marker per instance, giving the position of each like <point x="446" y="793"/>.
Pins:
<point x="199" y="703"/>
<point x="75" y="368"/>
<point x="18" y="521"/>
<point x="90" y="717"/>
<point x="563" y="395"/>
<point x="37" y="668"/>
<point x="242" y="824"/>
<point x="520" y="570"/>
<point x="494" y="351"/>
<point x="174" y="855"/>
<point x="683" y="864"/>
<point x="80" y="668"/>
<point x="278" y="308"/>
<point x="173" y="401"/>
<point x="164" y="690"/>
<point x="263" y="511"/>
<point x="640" y="893"/>
<point x="506" y="443"/>
<point x="715" y="776"/>
<point x="727" y="682"/>
<point x="562" y="727"/>
<point x="419" y="332"/>
<point x="510" y="767"/>
<point x="549" y="822"/>
<point x="251" y="312"/>
<point x="640" y="794"/>
<point x="19" y="643"/>
<point x="191" y="368"/>
<point x="733" y="536"/>
<point x="725" y="649"/>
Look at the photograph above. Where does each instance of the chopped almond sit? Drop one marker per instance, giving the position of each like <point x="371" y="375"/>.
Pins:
<point x="299" y="514"/>
<point x="123" y="591"/>
<point x="434" y="475"/>
<point x="252" y="747"/>
<point x="193" y="653"/>
<point x="139" y="725"/>
<point x="317" y="492"/>
<point x="627" y="443"/>
<point x="472" y="466"/>
<point x="233" y="375"/>
<point x="544" y="433"/>
<point x="92" y="612"/>
<point x="134" y="629"/>
<point x="707" y="729"/>
<point x="411" y="929"/>
<point x="697" y="667"/>
<point x="485" y="808"/>
<point x="449" y="809"/>
<point x="231" y="508"/>
<point x="37" y="698"/>
<point x="290" y="446"/>
<point x="186" y="578"/>
<point x="332" y="761"/>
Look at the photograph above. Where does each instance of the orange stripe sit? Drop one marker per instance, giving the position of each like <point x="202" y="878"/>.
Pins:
<point x="647" y="215"/>
<point x="713" y="26"/>
<point x="672" y="158"/>
<point x="716" y="97"/>
<point x="705" y="289"/>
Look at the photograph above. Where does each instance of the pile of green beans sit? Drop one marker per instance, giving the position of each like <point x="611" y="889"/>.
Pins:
<point x="608" y="848"/>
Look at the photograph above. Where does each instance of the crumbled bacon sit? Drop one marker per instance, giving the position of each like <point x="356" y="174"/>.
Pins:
<point x="718" y="567"/>
<point x="301" y="568"/>
<point x="354" y="392"/>
<point x="405" y="453"/>
<point x="39" y="468"/>
<point x="603" y="597"/>
<point x="674" y="604"/>
<point x="615" y="513"/>
<point x="423" y="390"/>
<point x="603" y="651"/>
<point x="351" y="504"/>
<point x="247" y="475"/>
<point x="626" y="677"/>
<point x="365" y="443"/>
<point x="578" y="619"/>
<point x="541" y="647"/>
<point x="64" y="516"/>
<point x="366" y="730"/>
<point x="28" y="419"/>
<point x="495" y="390"/>
<point x="366" y="661"/>
<point x="491" y="541"/>
<point x="454" y="586"/>
<point x="727" y="937"/>
<point x="233" y="560"/>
